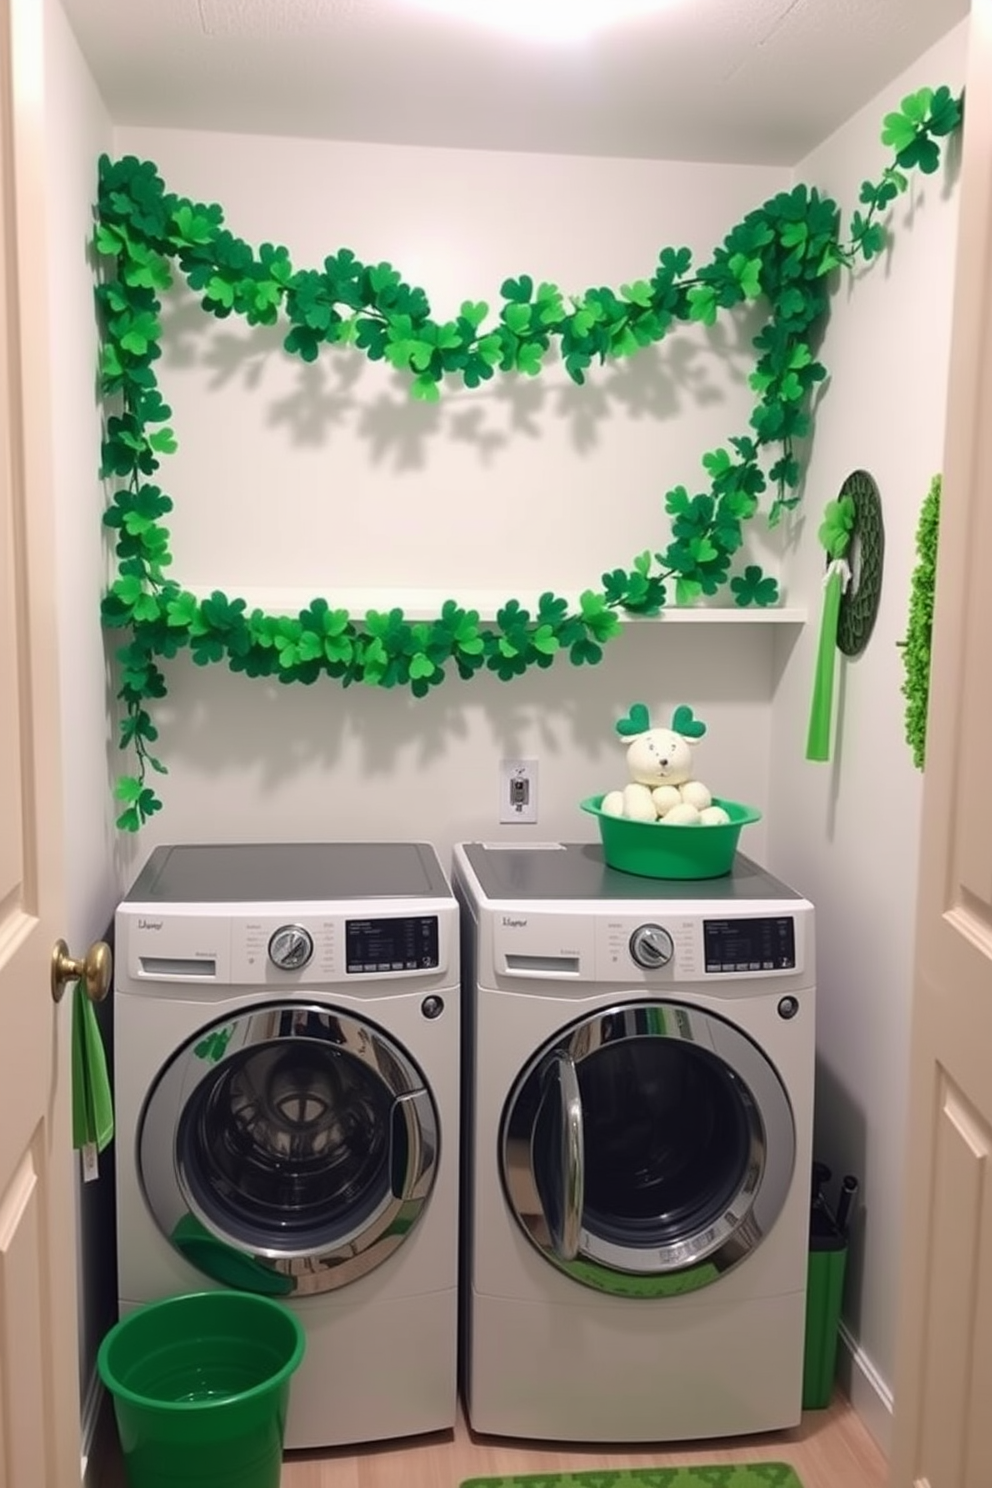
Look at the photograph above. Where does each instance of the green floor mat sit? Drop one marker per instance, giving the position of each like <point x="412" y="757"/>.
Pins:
<point x="706" y="1475"/>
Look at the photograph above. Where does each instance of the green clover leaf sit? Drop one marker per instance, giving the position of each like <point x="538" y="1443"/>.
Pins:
<point x="425" y="389"/>
<point x="518" y="290"/>
<point x="194" y="227"/>
<point x="837" y="526"/>
<point x="677" y="501"/>
<point x="551" y="609"/>
<point x="474" y="311"/>
<point x="687" y="591"/>
<point x="703" y="304"/>
<point x="598" y="619"/>
<point x="507" y="664"/>
<point x="585" y="652"/>
<point x="754" y="588"/>
<point x="545" y="641"/>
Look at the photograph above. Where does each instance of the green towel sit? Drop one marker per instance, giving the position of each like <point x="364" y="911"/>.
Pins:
<point x="822" y="706"/>
<point x="92" y="1106"/>
<point x="835" y="534"/>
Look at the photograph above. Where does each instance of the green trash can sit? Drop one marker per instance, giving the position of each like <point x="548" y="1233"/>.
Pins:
<point x="824" y="1289"/>
<point x="200" y="1385"/>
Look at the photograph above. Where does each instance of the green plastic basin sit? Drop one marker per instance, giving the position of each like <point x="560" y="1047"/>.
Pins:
<point x="200" y="1385"/>
<point x="654" y="850"/>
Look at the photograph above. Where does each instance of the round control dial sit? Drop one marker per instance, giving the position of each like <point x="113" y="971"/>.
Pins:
<point x="290" y="947"/>
<point x="651" y="947"/>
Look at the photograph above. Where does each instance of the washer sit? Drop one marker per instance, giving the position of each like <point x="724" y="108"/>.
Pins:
<point x="639" y="1075"/>
<point x="287" y="1094"/>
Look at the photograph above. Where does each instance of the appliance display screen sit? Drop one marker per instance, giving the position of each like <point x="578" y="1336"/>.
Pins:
<point x="409" y="943"/>
<point x="767" y="944"/>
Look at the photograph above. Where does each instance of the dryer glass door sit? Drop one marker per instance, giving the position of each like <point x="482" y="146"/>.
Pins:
<point x="648" y="1148"/>
<point x="290" y="1149"/>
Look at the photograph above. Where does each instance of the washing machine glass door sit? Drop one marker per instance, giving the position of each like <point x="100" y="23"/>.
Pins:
<point x="290" y="1149"/>
<point x="647" y="1149"/>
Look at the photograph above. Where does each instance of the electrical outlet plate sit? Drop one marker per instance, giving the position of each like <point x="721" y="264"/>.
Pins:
<point x="518" y="790"/>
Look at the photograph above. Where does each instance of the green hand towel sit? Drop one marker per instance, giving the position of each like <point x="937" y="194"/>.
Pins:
<point x="92" y="1106"/>
<point x="822" y="705"/>
<point x="835" y="535"/>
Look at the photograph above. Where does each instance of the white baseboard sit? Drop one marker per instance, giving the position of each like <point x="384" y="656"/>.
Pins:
<point x="866" y="1390"/>
<point x="88" y="1429"/>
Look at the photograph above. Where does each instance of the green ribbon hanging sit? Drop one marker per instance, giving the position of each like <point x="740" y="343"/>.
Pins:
<point x="835" y="536"/>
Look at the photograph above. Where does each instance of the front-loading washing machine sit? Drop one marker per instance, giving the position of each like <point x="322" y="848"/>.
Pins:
<point x="639" y="1063"/>
<point x="287" y="1095"/>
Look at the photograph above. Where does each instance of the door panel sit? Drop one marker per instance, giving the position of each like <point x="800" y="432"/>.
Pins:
<point x="39" y="1401"/>
<point x="943" y="1425"/>
<point x="960" y="1235"/>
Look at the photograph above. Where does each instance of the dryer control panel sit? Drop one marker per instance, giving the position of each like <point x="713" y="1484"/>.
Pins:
<point x="659" y="947"/>
<point x="758" y="943"/>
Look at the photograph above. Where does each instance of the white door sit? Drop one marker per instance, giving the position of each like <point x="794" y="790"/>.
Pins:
<point x="943" y="1403"/>
<point x="39" y="1404"/>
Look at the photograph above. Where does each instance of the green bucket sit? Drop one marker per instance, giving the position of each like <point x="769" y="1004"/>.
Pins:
<point x="200" y="1385"/>
<point x="657" y="850"/>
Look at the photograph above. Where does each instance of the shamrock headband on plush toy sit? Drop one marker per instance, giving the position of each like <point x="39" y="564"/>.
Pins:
<point x="638" y="721"/>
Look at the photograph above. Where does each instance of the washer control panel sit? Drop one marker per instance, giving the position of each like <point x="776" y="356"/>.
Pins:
<point x="409" y="943"/>
<point x="313" y="946"/>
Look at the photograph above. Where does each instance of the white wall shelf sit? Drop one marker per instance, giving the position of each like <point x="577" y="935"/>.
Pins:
<point x="425" y="604"/>
<point x="724" y="615"/>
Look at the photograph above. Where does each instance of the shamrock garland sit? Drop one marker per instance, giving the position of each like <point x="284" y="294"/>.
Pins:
<point x="783" y="252"/>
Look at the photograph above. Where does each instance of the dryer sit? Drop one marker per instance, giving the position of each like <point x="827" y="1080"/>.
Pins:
<point x="639" y="1103"/>
<point x="287" y="1097"/>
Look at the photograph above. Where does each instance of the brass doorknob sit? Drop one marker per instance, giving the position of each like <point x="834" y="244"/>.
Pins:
<point x="94" y="970"/>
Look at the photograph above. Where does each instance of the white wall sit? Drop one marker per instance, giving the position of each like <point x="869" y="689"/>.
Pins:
<point x="846" y="831"/>
<point x="330" y="477"/>
<point x="79" y="129"/>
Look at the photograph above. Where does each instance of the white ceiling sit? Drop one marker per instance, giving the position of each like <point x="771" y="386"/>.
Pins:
<point x="725" y="80"/>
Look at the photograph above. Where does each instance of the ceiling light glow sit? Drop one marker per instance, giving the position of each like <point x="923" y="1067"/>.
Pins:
<point x="544" y="20"/>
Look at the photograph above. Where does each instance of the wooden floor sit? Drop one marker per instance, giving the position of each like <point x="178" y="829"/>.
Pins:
<point x="830" y="1449"/>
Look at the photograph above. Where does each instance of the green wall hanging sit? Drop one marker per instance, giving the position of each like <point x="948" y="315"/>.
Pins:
<point x="919" y="630"/>
<point x="853" y="539"/>
<point x="783" y="253"/>
<point x="862" y="596"/>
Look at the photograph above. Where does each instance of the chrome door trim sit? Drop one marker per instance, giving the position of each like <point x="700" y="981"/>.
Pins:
<point x="560" y="1084"/>
<point x="415" y="1110"/>
<point x="684" y="1265"/>
<point x="413" y="1121"/>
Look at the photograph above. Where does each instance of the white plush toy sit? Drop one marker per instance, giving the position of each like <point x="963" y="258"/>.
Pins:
<point x="661" y="786"/>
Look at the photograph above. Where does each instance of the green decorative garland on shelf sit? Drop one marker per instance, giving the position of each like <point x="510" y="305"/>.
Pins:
<point x="783" y="252"/>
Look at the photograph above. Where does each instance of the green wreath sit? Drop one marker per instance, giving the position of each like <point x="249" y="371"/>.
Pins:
<point x="782" y="252"/>
<point x="860" y="600"/>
